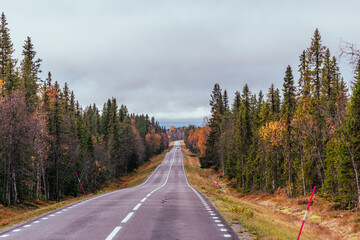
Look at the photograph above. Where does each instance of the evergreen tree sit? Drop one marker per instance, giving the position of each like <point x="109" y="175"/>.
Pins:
<point x="30" y="68"/>
<point x="288" y="110"/>
<point x="11" y="78"/>
<point x="6" y="47"/>
<point x="226" y="101"/>
<point x="352" y="142"/>
<point x="304" y="80"/>
<point x="212" y="144"/>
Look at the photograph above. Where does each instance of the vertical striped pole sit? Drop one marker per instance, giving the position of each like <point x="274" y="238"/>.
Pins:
<point x="217" y="182"/>
<point x="80" y="183"/>
<point x="302" y="224"/>
<point x="122" y="179"/>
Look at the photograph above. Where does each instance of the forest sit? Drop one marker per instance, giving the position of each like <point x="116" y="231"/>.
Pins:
<point x="304" y="135"/>
<point x="45" y="135"/>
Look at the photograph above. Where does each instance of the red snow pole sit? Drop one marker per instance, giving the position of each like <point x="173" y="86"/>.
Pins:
<point x="306" y="212"/>
<point x="217" y="182"/>
<point x="80" y="183"/>
<point x="122" y="179"/>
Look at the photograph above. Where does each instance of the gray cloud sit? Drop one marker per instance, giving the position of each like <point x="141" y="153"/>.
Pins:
<point x="163" y="57"/>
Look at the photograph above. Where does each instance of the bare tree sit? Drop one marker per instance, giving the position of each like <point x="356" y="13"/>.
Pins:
<point x="350" y="52"/>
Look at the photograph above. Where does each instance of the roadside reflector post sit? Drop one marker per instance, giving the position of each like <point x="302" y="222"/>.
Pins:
<point x="80" y="183"/>
<point x="302" y="224"/>
<point x="122" y="179"/>
<point x="217" y="182"/>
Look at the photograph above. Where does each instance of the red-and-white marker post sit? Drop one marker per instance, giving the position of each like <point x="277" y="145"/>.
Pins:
<point x="122" y="179"/>
<point x="80" y="183"/>
<point x="302" y="225"/>
<point x="217" y="182"/>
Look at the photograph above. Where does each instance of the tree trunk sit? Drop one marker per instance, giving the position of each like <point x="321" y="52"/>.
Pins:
<point x="302" y="171"/>
<point x="14" y="189"/>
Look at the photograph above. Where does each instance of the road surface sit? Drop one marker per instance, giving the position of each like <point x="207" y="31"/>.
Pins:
<point x="165" y="206"/>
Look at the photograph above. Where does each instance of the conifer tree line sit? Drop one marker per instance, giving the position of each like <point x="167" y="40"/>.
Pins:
<point x="45" y="135"/>
<point x="293" y="138"/>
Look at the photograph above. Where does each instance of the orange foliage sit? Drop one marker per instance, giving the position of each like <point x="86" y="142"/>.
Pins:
<point x="197" y="139"/>
<point x="51" y="93"/>
<point x="1" y="85"/>
<point x="272" y="132"/>
<point x="203" y="136"/>
<point x="148" y="139"/>
<point x="133" y="126"/>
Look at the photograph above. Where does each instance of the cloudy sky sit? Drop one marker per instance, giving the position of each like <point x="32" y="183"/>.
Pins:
<point x="163" y="57"/>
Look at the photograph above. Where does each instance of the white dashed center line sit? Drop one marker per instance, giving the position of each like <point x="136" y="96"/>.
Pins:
<point x="113" y="233"/>
<point x="127" y="217"/>
<point x="137" y="206"/>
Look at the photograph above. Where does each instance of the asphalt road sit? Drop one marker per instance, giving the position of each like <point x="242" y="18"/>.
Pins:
<point x="165" y="206"/>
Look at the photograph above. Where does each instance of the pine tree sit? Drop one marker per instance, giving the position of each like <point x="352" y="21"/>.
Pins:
<point x="274" y="101"/>
<point x="212" y="144"/>
<point x="215" y="96"/>
<point x="288" y="110"/>
<point x="30" y="68"/>
<point x="316" y="59"/>
<point x="6" y="46"/>
<point x="352" y="138"/>
<point x="11" y="78"/>
<point x="226" y="101"/>
<point x="304" y="80"/>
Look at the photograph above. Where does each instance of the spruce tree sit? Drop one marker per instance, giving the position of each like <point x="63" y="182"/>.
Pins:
<point x="352" y="139"/>
<point x="30" y="68"/>
<point x="226" y="101"/>
<point x="212" y="144"/>
<point x="288" y="110"/>
<point x="6" y="46"/>
<point x="11" y="78"/>
<point x="304" y="80"/>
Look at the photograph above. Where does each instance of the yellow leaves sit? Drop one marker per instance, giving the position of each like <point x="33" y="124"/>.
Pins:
<point x="172" y="129"/>
<point x="157" y="142"/>
<point x="272" y="132"/>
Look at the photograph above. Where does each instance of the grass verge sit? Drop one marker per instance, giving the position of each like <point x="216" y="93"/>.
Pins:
<point x="17" y="213"/>
<point x="271" y="216"/>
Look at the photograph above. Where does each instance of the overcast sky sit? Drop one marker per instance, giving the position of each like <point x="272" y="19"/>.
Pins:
<point x="164" y="57"/>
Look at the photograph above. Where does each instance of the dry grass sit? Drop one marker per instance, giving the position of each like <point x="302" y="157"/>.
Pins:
<point x="272" y="216"/>
<point x="20" y="212"/>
